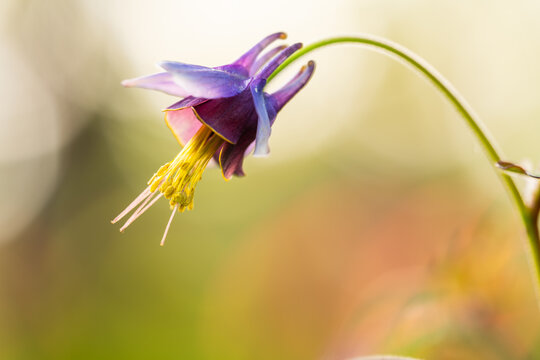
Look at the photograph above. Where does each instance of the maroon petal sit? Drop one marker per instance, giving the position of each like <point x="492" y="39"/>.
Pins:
<point x="229" y="117"/>
<point x="231" y="157"/>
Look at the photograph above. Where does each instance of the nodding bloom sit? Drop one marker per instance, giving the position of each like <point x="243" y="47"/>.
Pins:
<point x="223" y="116"/>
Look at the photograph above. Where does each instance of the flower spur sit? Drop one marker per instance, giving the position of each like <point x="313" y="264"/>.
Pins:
<point x="223" y="116"/>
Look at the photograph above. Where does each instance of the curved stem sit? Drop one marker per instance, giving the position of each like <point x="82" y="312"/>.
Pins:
<point x="529" y="219"/>
<point x="534" y="209"/>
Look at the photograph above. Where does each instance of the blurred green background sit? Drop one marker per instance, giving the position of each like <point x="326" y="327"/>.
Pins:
<point x="375" y="226"/>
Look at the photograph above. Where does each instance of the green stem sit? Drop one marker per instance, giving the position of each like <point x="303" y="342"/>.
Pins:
<point x="529" y="219"/>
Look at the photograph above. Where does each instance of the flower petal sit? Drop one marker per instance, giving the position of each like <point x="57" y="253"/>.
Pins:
<point x="259" y="99"/>
<point x="232" y="156"/>
<point x="181" y="119"/>
<point x="229" y="117"/>
<point x="283" y="95"/>
<point x="263" y="124"/>
<point x="161" y="81"/>
<point x="183" y="124"/>
<point x="204" y="82"/>
<point x="248" y="58"/>
<point x="269" y="68"/>
<point x="234" y="69"/>
<point x="263" y="59"/>
<point x="189" y="101"/>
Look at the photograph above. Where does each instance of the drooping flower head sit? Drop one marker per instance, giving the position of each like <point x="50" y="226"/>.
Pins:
<point x="224" y="114"/>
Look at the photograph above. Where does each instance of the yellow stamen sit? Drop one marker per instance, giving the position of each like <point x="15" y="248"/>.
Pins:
<point x="177" y="179"/>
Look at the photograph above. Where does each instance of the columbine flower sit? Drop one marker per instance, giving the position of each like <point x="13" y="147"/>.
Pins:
<point x="224" y="115"/>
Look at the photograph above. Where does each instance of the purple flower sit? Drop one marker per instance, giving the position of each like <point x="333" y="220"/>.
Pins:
<point x="223" y="116"/>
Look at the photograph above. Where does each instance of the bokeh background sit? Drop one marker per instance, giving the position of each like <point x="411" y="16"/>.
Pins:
<point x="375" y="226"/>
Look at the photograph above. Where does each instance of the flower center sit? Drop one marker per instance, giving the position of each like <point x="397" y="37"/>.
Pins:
<point x="177" y="179"/>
